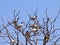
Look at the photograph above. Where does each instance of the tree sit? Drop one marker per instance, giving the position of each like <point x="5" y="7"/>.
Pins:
<point x="32" y="31"/>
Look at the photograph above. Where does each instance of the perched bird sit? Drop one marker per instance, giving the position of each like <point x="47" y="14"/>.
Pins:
<point x="46" y="38"/>
<point x="27" y="34"/>
<point x="34" y="30"/>
<point x="33" y="17"/>
<point x="14" y="21"/>
<point x="13" y="41"/>
<point x="19" y="26"/>
<point x="35" y="27"/>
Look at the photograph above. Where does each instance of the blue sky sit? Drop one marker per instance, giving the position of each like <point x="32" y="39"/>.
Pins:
<point x="7" y="7"/>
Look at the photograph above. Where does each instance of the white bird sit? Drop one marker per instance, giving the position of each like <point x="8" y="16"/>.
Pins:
<point x="19" y="26"/>
<point x="33" y="17"/>
<point x="13" y="41"/>
<point x="34" y="30"/>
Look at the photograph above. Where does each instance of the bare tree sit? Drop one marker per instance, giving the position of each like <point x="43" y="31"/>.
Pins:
<point x="32" y="31"/>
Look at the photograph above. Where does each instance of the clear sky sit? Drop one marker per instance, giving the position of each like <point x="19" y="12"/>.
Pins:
<point x="7" y="7"/>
